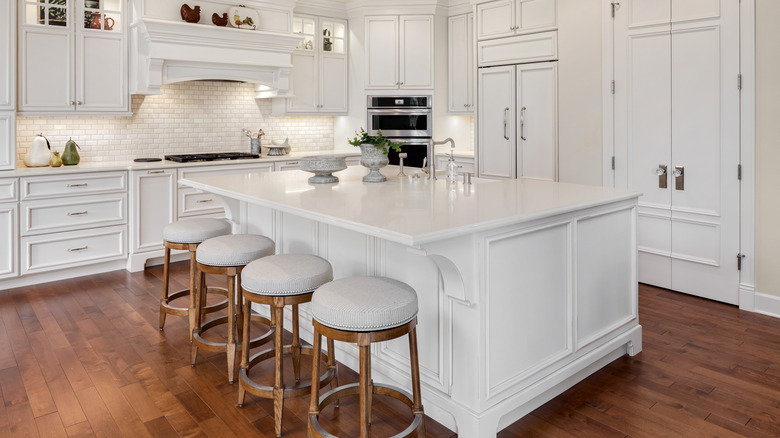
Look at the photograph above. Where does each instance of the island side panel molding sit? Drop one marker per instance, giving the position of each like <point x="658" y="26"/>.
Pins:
<point x="603" y="305"/>
<point x="527" y="312"/>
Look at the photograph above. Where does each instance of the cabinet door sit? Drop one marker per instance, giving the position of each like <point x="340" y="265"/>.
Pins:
<point x="46" y="82"/>
<point x="304" y="83"/>
<point x="461" y="50"/>
<point x="7" y="140"/>
<point x="495" y="19"/>
<point x="101" y="72"/>
<point x="416" y="52"/>
<point x="537" y="121"/>
<point x="153" y="207"/>
<point x="535" y="15"/>
<point x="497" y="155"/>
<point x="7" y="55"/>
<point x="9" y="232"/>
<point x="333" y="83"/>
<point x="381" y="52"/>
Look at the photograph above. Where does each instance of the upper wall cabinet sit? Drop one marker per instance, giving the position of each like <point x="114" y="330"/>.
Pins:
<point x="7" y="55"/>
<point x="72" y="56"/>
<point x="461" y="63"/>
<point x="319" y="75"/>
<point x="399" y="52"/>
<point x="505" y="18"/>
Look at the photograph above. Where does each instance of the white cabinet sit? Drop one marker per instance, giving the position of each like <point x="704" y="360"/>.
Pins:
<point x="287" y="165"/>
<point x="7" y="140"/>
<point x="7" y="85"/>
<point x="7" y="55"/>
<point x="193" y="202"/>
<point x="518" y="121"/>
<point x="461" y="63"/>
<point x="152" y="206"/>
<point x="465" y="164"/>
<point x="505" y="18"/>
<point x="72" y="57"/>
<point x="9" y="228"/>
<point x="319" y="74"/>
<point x="72" y="220"/>
<point x="399" y="52"/>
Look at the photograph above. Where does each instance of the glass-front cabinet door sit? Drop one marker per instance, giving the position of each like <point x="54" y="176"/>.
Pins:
<point x="333" y="36"/>
<point x="306" y="27"/>
<point x="72" y="56"/>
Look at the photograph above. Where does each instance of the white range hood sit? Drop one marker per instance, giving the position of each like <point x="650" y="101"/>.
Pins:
<point x="164" y="52"/>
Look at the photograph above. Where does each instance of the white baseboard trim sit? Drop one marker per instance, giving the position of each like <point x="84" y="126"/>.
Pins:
<point x="767" y="304"/>
<point x="747" y="297"/>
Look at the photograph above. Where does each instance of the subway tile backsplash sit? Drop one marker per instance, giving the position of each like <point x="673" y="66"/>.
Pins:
<point x="189" y="117"/>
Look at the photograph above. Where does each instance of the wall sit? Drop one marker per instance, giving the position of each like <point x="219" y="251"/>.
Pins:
<point x="188" y="117"/>
<point x="767" y="258"/>
<point x="579" y="91"/>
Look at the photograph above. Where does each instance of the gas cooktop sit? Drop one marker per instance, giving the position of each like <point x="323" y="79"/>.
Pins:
<point x="214" y="156"/>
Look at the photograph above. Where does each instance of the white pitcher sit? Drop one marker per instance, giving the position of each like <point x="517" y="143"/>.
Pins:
<point x="40" y="152"/>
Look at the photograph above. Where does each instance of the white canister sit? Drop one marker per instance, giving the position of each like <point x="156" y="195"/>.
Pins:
<point x="39" y="153"/>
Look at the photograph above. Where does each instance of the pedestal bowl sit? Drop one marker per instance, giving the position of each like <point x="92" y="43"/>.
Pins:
<point x="323" y="166"/>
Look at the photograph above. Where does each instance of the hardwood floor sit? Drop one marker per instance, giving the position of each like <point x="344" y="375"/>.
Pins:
<point x="83" y="357"/>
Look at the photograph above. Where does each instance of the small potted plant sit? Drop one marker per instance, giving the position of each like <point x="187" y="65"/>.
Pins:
<point x="327" y="43"/>
<point x="373" y="150"/>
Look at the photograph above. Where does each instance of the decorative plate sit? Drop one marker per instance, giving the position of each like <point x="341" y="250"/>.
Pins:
<point x="243" y="18"/>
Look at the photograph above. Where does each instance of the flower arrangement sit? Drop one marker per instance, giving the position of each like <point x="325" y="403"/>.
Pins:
<point x="378" y="141"/>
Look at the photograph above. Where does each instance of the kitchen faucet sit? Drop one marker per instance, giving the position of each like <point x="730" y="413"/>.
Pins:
<point x="431" y="168"/>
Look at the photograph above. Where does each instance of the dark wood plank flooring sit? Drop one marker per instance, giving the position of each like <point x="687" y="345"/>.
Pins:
<point x="83" y="357"/>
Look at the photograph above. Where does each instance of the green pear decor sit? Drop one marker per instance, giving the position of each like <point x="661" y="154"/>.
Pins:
<point x="70" y="156"/>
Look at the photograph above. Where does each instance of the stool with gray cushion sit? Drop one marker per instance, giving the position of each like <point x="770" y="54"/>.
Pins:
<point x="278" y="281"/>
<point x="187" y="235"/>
<point x="227" y="255"/>
<point x="363" y="310"/>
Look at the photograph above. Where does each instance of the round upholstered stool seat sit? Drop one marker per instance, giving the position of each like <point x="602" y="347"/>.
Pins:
<point x="228" y="255"/>
<point x="234" y="250"/>
<point x="363" y="304"/>
<point x="195" y="230"/>
<point x="363" y="310"/>
<point x="187" y="235"/>
<point x="278" y="281"/>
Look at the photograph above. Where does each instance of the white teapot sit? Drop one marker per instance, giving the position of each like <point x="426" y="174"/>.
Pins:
<point x="40" y="152"/>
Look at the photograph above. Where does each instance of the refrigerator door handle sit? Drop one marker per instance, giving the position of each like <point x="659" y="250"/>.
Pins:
<point x="506" y="111"/>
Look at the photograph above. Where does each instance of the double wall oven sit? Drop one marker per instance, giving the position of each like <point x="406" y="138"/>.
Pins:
<point x="407" y="119"/>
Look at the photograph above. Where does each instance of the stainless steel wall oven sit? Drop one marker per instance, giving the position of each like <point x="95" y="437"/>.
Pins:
<point x="403" y="118"/>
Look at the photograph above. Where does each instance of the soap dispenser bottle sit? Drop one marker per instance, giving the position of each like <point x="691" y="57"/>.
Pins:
<point x="452" y="169"/>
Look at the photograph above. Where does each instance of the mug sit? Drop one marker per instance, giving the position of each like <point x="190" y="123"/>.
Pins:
<point x="95" y="24"/>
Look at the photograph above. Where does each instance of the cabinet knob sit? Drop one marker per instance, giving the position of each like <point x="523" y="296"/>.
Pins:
<point x="72" y="103"/>
<point x="78" y="102"/>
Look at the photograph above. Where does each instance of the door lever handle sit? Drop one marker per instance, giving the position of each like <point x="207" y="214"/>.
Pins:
<point x="661" y="172"/>
<point x="506" y="110"/>
<point x="679" y="177"/>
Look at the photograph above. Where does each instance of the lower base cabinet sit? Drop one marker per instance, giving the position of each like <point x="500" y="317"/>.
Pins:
<point x="71" y="249"/>
<point x="152" y="207"/>
<point x="9" y="230"/>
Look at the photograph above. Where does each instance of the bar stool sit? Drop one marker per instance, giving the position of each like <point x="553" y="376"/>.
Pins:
<point x="187" y="235"/>
<point x="278" y="281"/>
<point x="363" y="310"/>
<point x="227" y="255"/>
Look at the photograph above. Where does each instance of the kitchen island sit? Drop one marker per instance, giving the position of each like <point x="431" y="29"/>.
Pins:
<point x="525" y="287"/>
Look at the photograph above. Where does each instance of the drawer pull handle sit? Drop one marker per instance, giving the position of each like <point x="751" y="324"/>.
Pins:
<point x="77" y="213"/>
<point x="155" y="171"/>
<point x="83" y="248"/>
<point x="203" y="201"/>
<point x="78" y="185"/>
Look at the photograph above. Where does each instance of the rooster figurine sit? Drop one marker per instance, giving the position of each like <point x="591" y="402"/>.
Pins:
<point x="189" y="14"/>
<point x="219" y="21"/>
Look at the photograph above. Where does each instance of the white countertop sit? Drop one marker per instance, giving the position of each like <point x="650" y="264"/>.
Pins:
<point x="406" y="211"/>
<point x="107" y="166"/>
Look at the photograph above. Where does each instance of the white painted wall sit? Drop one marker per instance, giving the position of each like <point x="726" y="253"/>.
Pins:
<point x="767" y="258"/>
<point x="579" y="91"/>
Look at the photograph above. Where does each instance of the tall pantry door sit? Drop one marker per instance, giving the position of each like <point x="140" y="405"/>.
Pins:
<point x="677" y="139"/>
<point x="536" y="123"/>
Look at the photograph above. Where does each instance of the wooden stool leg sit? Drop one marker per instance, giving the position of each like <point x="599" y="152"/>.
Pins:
<point x="244" y="347"/>
<point x="370" y="386"/>
<point x="166" y="277"/>
<point x="314" y="406"/>
<point x="193" y="286"/>
<point x="200" y="295"/>
<point x="239" y="307"/>
<point x="278" y="366"/>
<point x="332" y="365"/>
<point x="417" y="407"/>
<point x="231" y="338"/>
<point x="365" y="395"/>
<point x="295" y="347"/>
